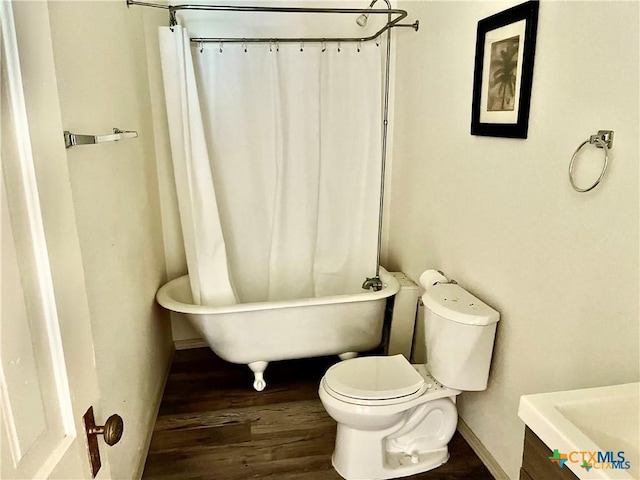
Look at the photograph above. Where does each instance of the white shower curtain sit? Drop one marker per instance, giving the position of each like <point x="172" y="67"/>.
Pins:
<point x="288" y="148"/>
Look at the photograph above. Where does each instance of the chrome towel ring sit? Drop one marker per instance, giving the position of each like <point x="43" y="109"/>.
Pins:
<point x="603" y="139"/>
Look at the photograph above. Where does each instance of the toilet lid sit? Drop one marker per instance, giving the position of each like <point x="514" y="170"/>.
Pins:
<point x="374" y="378"/>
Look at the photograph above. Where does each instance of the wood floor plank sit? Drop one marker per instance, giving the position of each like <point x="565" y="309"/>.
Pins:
<point x="314" y="467"/>
<point x="205" y="419"/>
<point x="213" y="425"/>
<point x="266" y="454"/>
<point x="188" y="440"/>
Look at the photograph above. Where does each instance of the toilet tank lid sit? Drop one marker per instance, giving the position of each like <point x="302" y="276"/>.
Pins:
<point x="454" y="303"/>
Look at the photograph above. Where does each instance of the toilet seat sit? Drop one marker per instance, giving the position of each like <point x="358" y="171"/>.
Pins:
<point x="378" y="380"/>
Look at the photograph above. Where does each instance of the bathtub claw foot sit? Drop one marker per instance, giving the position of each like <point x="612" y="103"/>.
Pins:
<point x="259" y="383"/>
<point x="348" y="355"/>
<point x="258" y="369"/>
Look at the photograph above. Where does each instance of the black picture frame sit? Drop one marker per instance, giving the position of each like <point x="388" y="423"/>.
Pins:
<point x="501" y="99"/>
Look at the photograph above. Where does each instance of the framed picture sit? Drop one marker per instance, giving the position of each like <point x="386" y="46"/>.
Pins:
<point x="505" y="48"/>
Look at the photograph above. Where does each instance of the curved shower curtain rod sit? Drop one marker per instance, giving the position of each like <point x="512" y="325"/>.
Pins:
<point x="391" y="22"/>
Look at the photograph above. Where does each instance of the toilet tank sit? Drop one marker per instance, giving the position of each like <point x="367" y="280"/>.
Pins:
<point x="459" y="334"/>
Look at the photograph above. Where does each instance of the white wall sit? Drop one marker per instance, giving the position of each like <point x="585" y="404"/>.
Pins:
<point x="499" y="215"/>
<point x="100" y="55"/>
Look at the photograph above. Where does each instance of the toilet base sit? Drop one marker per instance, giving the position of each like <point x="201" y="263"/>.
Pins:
<point x="428" y="461"/>
<point x="366" y="459"/>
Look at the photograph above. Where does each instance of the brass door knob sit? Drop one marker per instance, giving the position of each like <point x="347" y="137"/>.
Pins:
<point x="112" y="430"/>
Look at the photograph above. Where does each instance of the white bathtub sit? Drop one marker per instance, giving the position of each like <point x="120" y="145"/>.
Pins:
<point x="257" y="333"/>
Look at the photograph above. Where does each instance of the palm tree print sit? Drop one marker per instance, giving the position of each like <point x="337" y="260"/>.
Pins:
<point x="502" y="74"/>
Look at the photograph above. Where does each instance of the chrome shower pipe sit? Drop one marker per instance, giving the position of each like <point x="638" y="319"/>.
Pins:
<point x="375" y="282"/>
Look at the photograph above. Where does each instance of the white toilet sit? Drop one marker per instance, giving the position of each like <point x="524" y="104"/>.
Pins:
<point x="396" y="419"/>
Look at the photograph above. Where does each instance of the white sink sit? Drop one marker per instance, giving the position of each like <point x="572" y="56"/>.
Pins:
<point x="605" y="419"/>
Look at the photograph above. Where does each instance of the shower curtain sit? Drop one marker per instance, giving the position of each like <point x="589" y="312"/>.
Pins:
<point x="276" y="152"/>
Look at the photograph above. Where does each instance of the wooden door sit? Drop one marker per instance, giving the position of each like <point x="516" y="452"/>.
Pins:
<point x="47" y="368"/>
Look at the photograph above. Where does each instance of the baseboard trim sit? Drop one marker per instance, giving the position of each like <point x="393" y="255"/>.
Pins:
<point x="485" y="457"/>
<point x="152" y="419"/>
<point x="190" y="343"/>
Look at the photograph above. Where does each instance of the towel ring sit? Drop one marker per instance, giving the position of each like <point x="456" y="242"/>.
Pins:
<point x="603" y="139"/>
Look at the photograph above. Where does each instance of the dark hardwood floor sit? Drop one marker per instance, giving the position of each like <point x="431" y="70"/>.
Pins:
<point x="213" y="425"/>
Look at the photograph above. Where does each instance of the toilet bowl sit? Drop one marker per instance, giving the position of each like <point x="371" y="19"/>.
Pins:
<point x="396" y="419"/>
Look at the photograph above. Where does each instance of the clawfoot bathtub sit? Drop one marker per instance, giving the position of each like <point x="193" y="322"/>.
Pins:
<point x="258" y="333"/>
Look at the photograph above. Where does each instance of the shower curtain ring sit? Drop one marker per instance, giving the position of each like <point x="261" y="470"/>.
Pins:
<point x="271" y="45"/>
<point x="201" y="47"/>
<point x="220" y="46"/>
<point x="301" y="46"/>
<point x="324" y="46"/>
<point x="339" y="47"/>
<point x="244" y="46"/>
<point x="277" y="46"/>
<point x="359" y="45"/>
